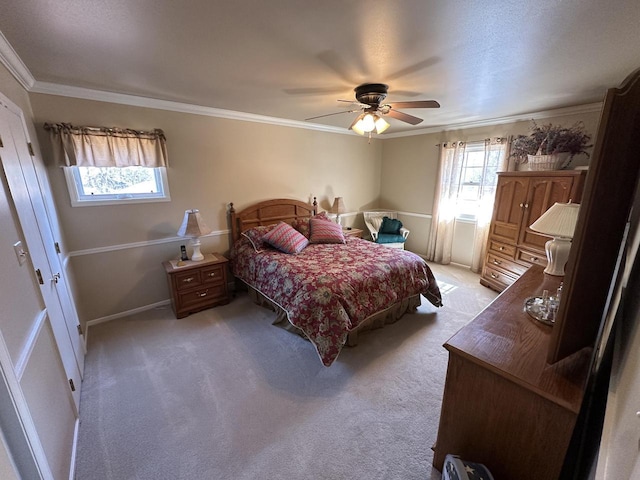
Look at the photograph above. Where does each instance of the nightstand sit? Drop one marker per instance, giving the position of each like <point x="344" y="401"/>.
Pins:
<point x="352" y="232"/>
<point x="195" y="286"/>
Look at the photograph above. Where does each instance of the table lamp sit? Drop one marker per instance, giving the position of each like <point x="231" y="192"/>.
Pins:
<point x="193" y="226"/>
<point x="338" y="208"/>
<point x="558" y="222"/>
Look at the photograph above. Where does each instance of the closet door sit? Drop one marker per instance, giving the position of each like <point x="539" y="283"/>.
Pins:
<point x="35" y="190"/>
<point x="47" y="278"/>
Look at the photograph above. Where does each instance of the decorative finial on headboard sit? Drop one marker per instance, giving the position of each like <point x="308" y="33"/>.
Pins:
<point x="315" y="206"/>
<point x="231" y="209"/>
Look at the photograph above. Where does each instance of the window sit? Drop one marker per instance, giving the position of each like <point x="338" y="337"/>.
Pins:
<point x="116" y="185"/>
<point x="110" y="165"/>
<point x="478" y="180"/>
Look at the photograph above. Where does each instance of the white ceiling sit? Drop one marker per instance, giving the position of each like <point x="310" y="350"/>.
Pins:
<point x="293" y="59"/>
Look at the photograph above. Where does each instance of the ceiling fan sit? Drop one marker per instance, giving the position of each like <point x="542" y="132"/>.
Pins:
<point x="370" y="98"/>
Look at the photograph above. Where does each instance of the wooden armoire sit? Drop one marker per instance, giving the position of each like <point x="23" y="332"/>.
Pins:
<point x="522" y="197"/>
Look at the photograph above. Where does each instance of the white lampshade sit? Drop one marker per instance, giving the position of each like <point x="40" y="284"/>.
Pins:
<point x="558" y="222"/>
<point x="193" y="226"/>
<point x="338" y="208"/>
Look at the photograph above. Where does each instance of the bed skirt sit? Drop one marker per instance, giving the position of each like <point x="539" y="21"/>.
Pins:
<point x="378" y="320"/>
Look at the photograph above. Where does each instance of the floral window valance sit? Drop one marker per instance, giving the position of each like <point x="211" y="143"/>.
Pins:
<point x="106" y="147"/>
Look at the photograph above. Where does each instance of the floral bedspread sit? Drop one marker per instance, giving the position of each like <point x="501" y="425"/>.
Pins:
<point x="329" y="289"/>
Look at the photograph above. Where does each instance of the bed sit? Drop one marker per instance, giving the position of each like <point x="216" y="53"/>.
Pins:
<point x="327" y="292"/>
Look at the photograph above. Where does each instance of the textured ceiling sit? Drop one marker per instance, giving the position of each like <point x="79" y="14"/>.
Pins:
<point x="293" y="59"/>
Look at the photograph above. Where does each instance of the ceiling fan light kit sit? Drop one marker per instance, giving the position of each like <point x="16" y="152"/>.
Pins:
<point x="370" y="97"/>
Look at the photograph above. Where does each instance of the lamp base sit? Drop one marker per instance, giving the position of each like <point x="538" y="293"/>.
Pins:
<point x="557" y="255"/>
<point x="197" y="255"/>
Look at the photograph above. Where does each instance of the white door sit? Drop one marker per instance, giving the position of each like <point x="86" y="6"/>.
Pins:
<point x="47" y="278"/>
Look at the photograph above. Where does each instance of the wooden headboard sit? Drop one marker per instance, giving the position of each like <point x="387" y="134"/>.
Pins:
<point x="268" y="213"/>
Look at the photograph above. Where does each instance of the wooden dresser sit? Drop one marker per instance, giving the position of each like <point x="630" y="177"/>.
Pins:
<point x="195" y="286"/>
<point x="504" y="405"/>
<point x="521" y="198"/>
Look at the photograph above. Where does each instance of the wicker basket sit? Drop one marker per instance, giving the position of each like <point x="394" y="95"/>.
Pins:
<point x="556" y="161"/>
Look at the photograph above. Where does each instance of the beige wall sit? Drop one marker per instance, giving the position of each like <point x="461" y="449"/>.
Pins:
<point x="213" y="161"/>
<point x="410" y="168"/>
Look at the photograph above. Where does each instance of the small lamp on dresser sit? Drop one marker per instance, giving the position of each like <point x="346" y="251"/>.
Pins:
<point x="558" y="222"/>
<point x="338" y="208"/>
<point x="193" y="226"/>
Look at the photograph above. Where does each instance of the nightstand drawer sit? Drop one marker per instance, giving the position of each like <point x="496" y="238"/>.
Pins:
<point x="188" y="279"/>
<point x="201" y="296"/>
<point x="213" y="275"/>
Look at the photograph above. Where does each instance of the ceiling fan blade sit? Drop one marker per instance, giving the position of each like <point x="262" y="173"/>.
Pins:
<point x="329" y="114"/>
<point x="404" y="117"/>
<point x="415" y="104"/>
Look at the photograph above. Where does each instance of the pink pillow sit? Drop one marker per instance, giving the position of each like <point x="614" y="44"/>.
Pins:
<point x="286" y="238"/>
<point x="325" y="232"/>
<point x="302" y="224"/>
<point x="256" y="236"/>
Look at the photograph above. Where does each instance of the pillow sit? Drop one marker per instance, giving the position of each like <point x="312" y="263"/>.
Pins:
<point x="286" y="238"/>
<point x="325" y="232"/>
<point x="376" y="223"/>
<point x="390" y="225"/>
<point x="256" y="234"/>
<point x="302" y="224"/>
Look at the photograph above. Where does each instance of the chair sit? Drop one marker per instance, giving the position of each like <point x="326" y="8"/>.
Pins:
<point x="394" y="239"/>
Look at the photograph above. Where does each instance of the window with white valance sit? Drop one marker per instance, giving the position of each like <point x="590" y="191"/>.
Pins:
<point x="111" y="165"/>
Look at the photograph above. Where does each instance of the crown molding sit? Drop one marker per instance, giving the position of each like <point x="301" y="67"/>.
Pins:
<point x="574" y="110"/>
<point x="138" y="101"/>
<point x="14" y="64"/>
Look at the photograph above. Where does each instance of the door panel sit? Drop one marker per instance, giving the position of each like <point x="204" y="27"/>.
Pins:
<point x="511" y="195"/>
<point x="543" y="193"/>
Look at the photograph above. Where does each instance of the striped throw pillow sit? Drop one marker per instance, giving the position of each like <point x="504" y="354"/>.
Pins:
<point x="325" y="232"/>
<point x="286" y="238"/>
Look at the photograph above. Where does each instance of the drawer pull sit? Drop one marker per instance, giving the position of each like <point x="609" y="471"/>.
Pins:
<point x="534" y="259"/>
<point x="494" y="276"/>
<point x="212" y="274"/>
<point x="203" y="294"/>
<point x="501" y="249"/>
<point x="496" y="262"/>
<point x="187" y="280"/>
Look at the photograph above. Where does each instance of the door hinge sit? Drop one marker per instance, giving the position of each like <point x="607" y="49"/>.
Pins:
<point x="31" y="149"/>
<point x="39" y="275"/>
<point x="57" y="245"/>
<point x="80" y="332"/>
<point x="73" y="387"/>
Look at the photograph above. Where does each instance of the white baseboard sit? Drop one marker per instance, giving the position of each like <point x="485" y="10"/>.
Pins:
<point x="108" y="318"/>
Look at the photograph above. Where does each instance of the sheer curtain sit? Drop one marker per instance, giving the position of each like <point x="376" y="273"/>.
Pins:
<point x="448" y="197"/>
<point x="444" y="204"/>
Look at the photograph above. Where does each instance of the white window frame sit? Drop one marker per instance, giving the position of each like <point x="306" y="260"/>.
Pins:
<point x="471" y="147"/>
<point x="80" y="199"/>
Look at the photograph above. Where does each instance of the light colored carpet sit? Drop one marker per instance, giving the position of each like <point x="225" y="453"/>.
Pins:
<point x="223" y="394"/>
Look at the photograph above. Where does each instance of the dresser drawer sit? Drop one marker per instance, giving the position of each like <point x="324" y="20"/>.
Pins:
<point x="509" y="266"/>
<point x="188" y="279"/>
<point x="502" y="248"/>
<point x="202" y="296"/>
<point x="497" y="277"/>
<point x="531" y="258"/>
